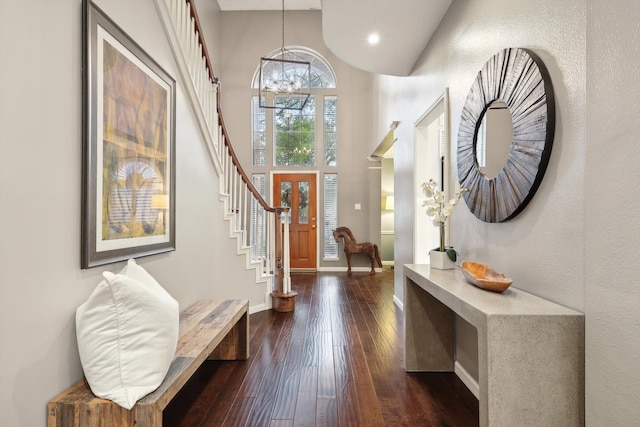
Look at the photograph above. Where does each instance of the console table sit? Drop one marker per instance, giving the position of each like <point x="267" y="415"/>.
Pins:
<point x="530" y="350"/>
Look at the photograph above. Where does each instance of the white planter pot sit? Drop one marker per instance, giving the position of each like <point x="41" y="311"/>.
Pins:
<point x="441" y="260"/>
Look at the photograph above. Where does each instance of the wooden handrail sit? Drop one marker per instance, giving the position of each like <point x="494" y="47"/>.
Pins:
<point x="227" y="142"/>
<point x="236" y="162"/>
<point x="203" y="51"/>
<point x="235" y="198"/>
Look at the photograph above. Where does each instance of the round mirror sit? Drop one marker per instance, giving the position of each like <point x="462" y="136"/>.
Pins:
<point x="518" y="79"/>
<point x="493" y="139"/>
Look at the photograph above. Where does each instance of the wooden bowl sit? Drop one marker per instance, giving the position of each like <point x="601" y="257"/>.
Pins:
<point x="484" y="277"/>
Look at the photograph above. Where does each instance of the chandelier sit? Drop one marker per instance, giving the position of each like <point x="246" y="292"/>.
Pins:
<point x="284" y="80"/>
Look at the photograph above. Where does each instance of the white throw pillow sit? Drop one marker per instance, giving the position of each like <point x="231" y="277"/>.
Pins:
<point x="127" y="334"/>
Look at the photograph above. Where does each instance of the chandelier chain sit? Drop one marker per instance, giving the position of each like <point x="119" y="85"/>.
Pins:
<point x="284" y="79"/>
<point x="282" y="28"/>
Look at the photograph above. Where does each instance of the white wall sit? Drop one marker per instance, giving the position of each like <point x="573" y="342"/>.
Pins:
<point x="250" y="35"/>
<point x="576" y="240"/>
<point x="612" y="213"/>
<point x="473" y="31"/>
<point x="41" y="283"/>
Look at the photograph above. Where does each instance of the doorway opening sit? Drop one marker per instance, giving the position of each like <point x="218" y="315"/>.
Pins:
<point x="431" y="147"/>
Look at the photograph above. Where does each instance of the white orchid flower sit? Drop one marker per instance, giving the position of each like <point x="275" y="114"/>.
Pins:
<point x="437" y="208"/>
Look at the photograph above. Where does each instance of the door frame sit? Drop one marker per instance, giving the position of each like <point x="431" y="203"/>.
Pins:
<point x="319" y="213"/>
<point x="431" y="152"/>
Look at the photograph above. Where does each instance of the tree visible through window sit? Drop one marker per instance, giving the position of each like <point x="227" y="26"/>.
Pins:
<point x="329" y="131"/>
<point x="295" y="136"/>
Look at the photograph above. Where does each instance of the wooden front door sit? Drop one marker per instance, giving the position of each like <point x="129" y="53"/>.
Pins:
<point x="298" y="192"/>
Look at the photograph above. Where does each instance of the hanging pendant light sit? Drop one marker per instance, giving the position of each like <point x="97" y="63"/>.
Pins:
<point x="284" y="79"/>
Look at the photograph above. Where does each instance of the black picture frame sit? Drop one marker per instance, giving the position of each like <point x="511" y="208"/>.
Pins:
<point x="128" y="155"/>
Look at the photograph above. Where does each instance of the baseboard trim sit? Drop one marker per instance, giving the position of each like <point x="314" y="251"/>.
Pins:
<point x="467" y="379"/>
<point x="398" y="302"/>
<point x="258" y="308"/>
<point x="344" y="269"/>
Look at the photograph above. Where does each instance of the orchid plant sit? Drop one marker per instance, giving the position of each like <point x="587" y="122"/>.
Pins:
<point x="439" y="210"/>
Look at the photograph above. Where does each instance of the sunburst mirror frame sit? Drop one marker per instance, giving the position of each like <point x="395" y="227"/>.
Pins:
<point x="518" y="78"/>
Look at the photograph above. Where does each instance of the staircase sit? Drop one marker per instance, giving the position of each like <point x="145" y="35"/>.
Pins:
<point x="261" y="231"/>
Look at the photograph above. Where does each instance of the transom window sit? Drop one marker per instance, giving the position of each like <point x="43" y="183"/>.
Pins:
<point x="322" y="75"/>
<point x="294" y="134"/>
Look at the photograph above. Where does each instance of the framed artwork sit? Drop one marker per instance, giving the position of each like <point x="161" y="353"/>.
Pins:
<point x="128" y="185"/>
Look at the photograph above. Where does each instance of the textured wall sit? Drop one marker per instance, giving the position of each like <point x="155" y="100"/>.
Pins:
<point x="574" y="243"/>
<point x="612" y="213"/>
<point x="472" y="32"/>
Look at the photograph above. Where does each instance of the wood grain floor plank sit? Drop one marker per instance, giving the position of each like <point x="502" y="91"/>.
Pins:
<point x="307" y="398"/>
<point x="263" y="358"/>
<point x="238" y="416"/>
<point x="299" y="321"/>
<point x="284" y="406"/>
<point x="326" y="367"/>
<point x="348" y="411"/>
<point x="262" y="409"/>
<point x="335" y="361"/>
<point x="326" y="413"/>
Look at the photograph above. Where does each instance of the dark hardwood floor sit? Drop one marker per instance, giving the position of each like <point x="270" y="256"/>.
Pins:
<point x="335" y="361"/>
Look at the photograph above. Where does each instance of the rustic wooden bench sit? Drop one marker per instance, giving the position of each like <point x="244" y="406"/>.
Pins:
<point x="209" y="329"/>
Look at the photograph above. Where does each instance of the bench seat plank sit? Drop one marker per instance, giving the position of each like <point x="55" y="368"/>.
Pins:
<point x="209" y="329"/>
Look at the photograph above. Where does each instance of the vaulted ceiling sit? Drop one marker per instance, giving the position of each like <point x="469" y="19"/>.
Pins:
<point x="404" y="28"/>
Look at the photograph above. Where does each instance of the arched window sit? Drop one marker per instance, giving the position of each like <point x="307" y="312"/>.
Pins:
<point x="296" y="132"/>
<point x="322" y="75"/>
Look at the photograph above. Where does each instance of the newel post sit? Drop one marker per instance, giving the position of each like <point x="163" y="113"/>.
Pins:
<point x="284" y="299"/>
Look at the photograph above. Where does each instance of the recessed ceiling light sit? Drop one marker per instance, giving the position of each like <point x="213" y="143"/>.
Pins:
<point x="374" y="38"/>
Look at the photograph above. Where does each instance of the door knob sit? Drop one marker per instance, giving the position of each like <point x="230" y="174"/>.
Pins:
<point x="313" y="226"/>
